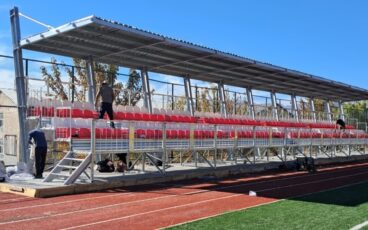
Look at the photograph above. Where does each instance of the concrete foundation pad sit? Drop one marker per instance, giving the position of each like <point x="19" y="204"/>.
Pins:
<point x="37" y="188"/>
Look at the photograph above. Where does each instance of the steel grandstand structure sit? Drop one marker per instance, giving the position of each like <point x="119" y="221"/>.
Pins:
<point x="147" y="135"/>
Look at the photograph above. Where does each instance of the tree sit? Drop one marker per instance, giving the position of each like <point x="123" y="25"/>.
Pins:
<point x="304" y="110"/>
<point x="203" y="103"/>
<point x="132" y="93"/>
<point x="53" y="80"/>
<point x="78" y="81"/>
<point x="356" y="111"/>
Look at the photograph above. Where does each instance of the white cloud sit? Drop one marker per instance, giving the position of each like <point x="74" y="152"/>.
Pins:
<point x="6" y="79"/>
<point x="6" y="63"/>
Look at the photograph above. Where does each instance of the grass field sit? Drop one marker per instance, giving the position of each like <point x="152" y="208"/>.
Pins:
<point x="341" y="208"/>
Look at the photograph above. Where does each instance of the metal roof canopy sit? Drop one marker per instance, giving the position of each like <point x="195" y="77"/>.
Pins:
<point x="120" y="44"/>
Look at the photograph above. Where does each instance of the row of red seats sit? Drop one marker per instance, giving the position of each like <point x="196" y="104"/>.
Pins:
<point x="225" y="121"/>
<point x="326" y="135"/>
<point x="41" y="111"/>
<point x="108" y="133"/>
<point x="79" y="113"/>
<point x="61" y="112"/>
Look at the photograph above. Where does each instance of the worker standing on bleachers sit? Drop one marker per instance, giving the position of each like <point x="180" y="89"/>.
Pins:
<point x="107" y="96"/>
<point x="340" y="124"/>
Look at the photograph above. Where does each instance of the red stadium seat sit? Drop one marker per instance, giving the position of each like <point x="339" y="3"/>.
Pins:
<point x="84" y="133"/>
<point x="278" y="135"/>
<point x="140" y="133"/>
<point x="147" y="117"/>
<point x="171" y="134"/>
<point x="120" y="133"/>
<point x="77" y="113"/>
<point x="48" y="111"/>
<point x="261" y="134"/>
<point x="119" y="116"/>
<point x="137" y="116"/>
<point x="183" y="134"/>
<point x="129" y="116"/>
<point x="90" y="114"/>
<point x="198" y="134"/>
<point x="66" y="132"/>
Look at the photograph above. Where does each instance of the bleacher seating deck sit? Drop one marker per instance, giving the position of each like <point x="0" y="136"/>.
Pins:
<point x="182" y="131"/>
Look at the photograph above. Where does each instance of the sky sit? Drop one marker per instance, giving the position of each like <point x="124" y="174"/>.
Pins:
<point x="324" y="38"/>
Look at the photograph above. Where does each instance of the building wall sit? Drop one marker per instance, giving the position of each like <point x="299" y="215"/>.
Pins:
<point x="10" y="122"/>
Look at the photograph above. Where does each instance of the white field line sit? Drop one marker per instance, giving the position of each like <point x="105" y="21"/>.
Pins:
<point x="200" y="202"/>
<point x="359" y="226"/>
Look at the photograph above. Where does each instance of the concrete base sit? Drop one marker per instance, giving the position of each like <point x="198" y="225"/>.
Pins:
<point x="37" y="188"/>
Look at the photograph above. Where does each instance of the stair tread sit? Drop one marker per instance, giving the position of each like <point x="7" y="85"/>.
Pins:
<point x="59" y="174"/>
<point x="73" y="159"/>
<point x="67" y="166"/>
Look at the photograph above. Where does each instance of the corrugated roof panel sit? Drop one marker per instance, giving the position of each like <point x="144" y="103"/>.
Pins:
<point x="124" y="45"/>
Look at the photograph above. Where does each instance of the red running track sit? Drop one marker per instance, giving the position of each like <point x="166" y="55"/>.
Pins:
<point x="162" y="205"/>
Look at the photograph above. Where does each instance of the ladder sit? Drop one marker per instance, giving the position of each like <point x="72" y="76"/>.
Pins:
<point x="76" y="167"/>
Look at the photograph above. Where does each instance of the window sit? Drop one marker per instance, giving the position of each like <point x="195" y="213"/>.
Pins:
<point x="1" y="122"/>
<point x="10" y="145"/>
<point x="1" y="145"/>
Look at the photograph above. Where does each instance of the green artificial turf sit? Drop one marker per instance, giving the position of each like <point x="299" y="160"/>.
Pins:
<point x="335" y="209"/>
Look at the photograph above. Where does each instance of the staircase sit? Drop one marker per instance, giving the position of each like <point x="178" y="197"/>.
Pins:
<point x="76" y="167"/>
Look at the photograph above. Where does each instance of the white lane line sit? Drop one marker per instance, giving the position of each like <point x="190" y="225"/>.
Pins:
<point x="16" y="199"/>
<point x="359" y="226"/>
<point x="78" y="200"/>
<point x="313" y="182"/>
<point x="84" y="210"/>
<point x="156" y="198"/>
<point x="63" y="202"/>
<point x="178" y="206"/>
<point x="200" y="191"/>
<point x="281" y="179"/>
<point x="195" y="203"/>
<point x="153" y="211"/>
<point x="190" y="193"/>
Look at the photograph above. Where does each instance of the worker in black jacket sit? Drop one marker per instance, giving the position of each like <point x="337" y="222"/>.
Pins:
<point x="37" y="137"/>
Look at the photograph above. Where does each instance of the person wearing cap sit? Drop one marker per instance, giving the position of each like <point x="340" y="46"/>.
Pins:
<point x="107" y="98"/>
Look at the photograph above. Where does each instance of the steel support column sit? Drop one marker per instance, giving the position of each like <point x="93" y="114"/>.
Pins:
<point x="294" y="107"/>
<point x="313" y="110"/>
<point x="328" y="111"/>
<point x="90" y="80"/>
<point x="222" y="98"/>
<point x="250" y="103"/>
<point x="146" y="90"/>
<point x="275" y="112"/>
<point x="20" y="82"/>
<point x="188" y="95"/>
<point x="341" y="110"/>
